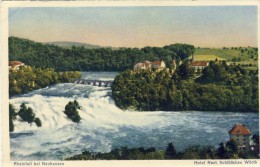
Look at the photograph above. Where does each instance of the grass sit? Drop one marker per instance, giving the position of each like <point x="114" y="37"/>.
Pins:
<point x="207" y="58"/>
<point x="253" y="62"/>
<point x="250" y="68"/>
<point x="239" y="55"/>
<point x="226" y="54"/>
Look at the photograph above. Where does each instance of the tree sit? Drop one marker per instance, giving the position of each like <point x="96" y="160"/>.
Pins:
<point x="170" y="151"/>
<point x="222" y="151"/>
<point x="91" y="59"/>
<point x="228" y="150"/>
<point x="207" y="152"/>
<point x="184" y="70"/>
<point x="198" y="152"/>
<point x="214" y="73"/>
<point x="31" y="78"/>
<point x="12" y="116"/>
<point x="26" y="113"/>
<point x="72" y="112"/>
<point x="152" y="91"/>
<point x="255" y="138"/>
<point x="11" y="125"/>
<point x="198" y="72"/>
<point x="12" y="113"/>
<point x="156" y="155"/>
<point x="76" y="104"/>
<point x="232" y="150"/>
<point x="38" y="122"/>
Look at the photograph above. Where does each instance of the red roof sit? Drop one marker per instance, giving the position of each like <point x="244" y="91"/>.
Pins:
<point x="239" y="129"/>
<point x="15" y="63"/>
<point x="199" y="63"/>
<point x="157" y="62"/>
<point x="147" y="62"/>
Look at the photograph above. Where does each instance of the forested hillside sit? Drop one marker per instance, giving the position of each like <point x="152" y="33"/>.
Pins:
<point x="82" y="59"/>
<point x="29" y="78"/>
<point x="66" y="44"/>
<point x="218" y="88"/>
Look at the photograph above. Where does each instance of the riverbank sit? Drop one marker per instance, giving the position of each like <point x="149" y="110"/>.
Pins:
<point x="228" y="150"/>
<point x="229" y="88"/>
<point x="26" y="79"/>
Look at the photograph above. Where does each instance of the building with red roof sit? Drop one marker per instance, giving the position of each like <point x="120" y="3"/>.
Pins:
<point x="242" y="135"/>
<point x="14" y="65"/>
<point x="198" y="64"/>
<point x="147" y="65"/>
<point x="159" y="65"/>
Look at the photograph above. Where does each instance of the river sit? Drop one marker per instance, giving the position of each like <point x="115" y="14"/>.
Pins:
<point x="104" y="126"/>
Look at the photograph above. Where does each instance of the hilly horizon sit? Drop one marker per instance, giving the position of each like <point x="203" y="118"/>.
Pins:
<point x="68" y="44"/>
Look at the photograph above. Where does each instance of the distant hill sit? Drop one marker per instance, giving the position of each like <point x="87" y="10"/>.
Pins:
<point x="66" y="44"/>
<point x="100" y="59"/>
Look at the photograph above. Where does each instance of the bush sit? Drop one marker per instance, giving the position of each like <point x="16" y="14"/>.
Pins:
<point x="72" y="112"/>
<point x="11" y="125"/>
<point x="38" y="122"/>
<point x="170" y="151"/>
<point x="12" y="116"/>
<point x="26" y="113"/>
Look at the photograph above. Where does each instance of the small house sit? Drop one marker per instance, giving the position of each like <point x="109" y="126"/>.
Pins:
<point x="147" y="65"/>
<point x="14" y="65"/>
<point x="159" y="65"/>
<point x="198" y="64"/>
<point x="241" y="135"/>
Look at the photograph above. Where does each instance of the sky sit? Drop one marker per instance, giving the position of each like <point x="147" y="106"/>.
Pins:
<point x="201" y="26"/>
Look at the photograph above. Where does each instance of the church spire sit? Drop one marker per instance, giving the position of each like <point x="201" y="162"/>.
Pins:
<point x="192" y="59"/>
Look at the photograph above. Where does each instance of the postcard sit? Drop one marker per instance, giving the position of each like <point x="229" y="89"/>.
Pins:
<point x="130" y="83"/>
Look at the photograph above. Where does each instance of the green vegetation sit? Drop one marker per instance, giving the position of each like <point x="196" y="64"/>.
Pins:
<point x="255" y="138"/>
<point x="207" y="58"/>
<point x="229" y="150"/>
<point x="226" y="150"/>
<point x="65" y="44"/>
<point x="122" y="153"/>
<point x="170" y="152"/>
<point x="241" y="55"/>
<point x="26" y="114"/>
<point x="227" y="54"/>
<point x="71" y="110"/>
<point x="82" y="59"/>
<point x="219" y="88"/>
<point x="12" y="117"/>
<point x="29" y="78"/>
<point x="38" y="122"/>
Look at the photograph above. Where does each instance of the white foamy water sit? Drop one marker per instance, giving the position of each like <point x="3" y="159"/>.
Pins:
<point x="104" y="126"/>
